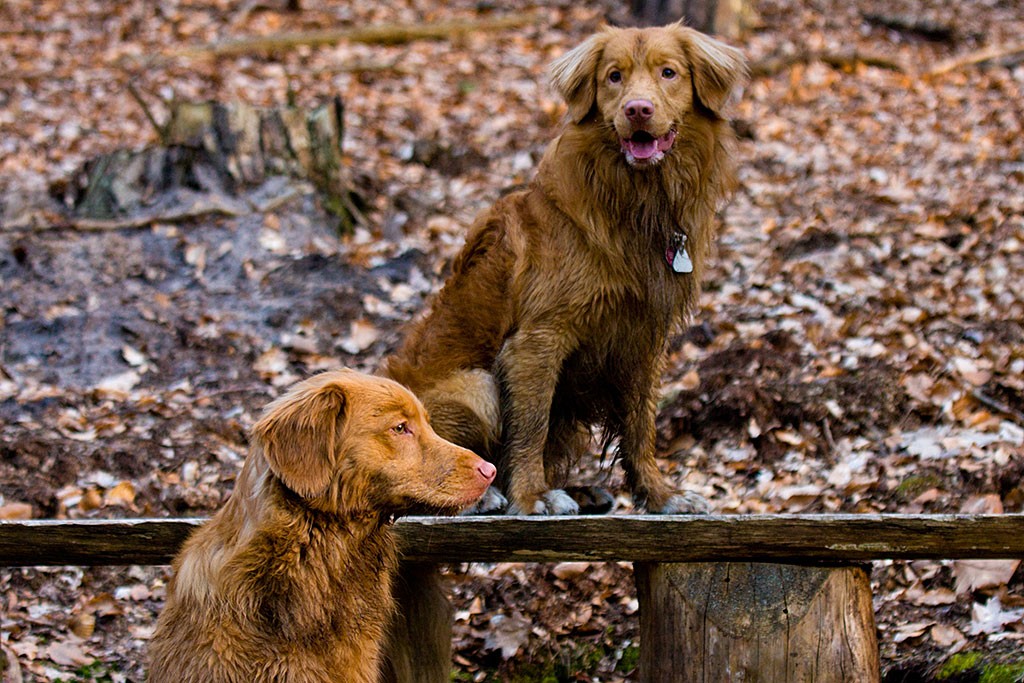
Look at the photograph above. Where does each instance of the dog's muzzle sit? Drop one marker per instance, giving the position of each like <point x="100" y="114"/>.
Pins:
<point x="643" y="148"/>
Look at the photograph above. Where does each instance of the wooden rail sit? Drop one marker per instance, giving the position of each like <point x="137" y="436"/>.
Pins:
<point x="641" y="538"/>
<point x="765" y="597"/>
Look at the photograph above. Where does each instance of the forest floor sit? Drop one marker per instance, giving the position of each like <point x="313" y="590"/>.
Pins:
<point x="859" y="346"/>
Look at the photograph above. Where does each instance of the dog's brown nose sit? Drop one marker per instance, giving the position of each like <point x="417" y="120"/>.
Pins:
<point x="639" y="111"/>
<point x="486" y="470"/>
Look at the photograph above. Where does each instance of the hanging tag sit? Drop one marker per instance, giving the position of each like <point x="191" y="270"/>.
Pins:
<point x="677" y="256"/>
<point x="682" y="263"/>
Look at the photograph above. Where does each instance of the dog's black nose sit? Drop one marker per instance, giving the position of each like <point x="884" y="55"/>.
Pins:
<point x="639" y="111"/>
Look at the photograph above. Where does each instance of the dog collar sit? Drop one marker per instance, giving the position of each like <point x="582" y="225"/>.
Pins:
<point x="676" y="255"/>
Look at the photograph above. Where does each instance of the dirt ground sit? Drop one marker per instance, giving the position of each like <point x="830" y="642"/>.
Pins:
<point x="859" y="345"/>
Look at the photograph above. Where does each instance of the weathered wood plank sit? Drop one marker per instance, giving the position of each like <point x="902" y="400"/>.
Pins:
<point x="649" y="538"/>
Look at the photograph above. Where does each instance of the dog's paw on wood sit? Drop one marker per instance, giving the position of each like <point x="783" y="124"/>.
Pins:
<point x="685" y="503"/>
<point x="553" y="502"/>
<point x="492" y="503"/>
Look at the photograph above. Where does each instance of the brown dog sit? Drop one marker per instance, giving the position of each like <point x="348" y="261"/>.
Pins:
<point x="556" y="314"/>
<point x="291" y="580"/>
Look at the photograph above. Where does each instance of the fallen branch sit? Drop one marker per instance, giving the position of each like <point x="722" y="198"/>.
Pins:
<point x="197" y="210"/>
<point x="161" y="131"/>
<point x="998" y="406"/>
<point x="977" y="57"/>
<point x="905" y="23"/>
<point x="837" y="60"/>
<point x="383" y="34"/>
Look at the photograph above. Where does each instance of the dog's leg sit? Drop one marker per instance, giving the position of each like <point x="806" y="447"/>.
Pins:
<point x="527" y="367"/>
<point x="650" y="490"/>
<point x="568" y="441"/>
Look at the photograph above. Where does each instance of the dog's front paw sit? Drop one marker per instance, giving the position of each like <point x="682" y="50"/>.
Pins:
<point x="686" y="503"/>
<point x="491" y="503"/>
<point x="553" y="502"/>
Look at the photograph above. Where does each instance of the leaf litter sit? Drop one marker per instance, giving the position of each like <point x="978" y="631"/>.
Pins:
<point x="858" y="347"/>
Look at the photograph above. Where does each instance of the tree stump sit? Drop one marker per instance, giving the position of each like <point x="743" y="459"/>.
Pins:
<point x="726" y="18"/>
<point x="216" y="150"/>
<point x="715" y="622"/>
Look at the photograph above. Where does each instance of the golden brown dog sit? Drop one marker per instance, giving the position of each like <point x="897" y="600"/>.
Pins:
<point x="556" y="314"/>
<point x="291" y="580"/>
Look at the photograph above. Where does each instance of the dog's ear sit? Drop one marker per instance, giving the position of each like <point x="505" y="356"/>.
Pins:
<point x="298" y="435"/>
<point x="574" y="75"/>
<point x="715" y="67"/>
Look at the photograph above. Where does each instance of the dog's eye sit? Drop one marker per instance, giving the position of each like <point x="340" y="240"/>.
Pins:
<point x="668" y="73"/>
<point x="401" y="428"/>
<point x="615" y="77"/>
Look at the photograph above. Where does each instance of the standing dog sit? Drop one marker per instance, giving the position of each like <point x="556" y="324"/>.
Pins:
<point x="291" y="580"/>
<point x="557" y="312"/>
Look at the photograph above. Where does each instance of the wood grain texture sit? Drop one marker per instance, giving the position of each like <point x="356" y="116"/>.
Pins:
<point x="771" y="623"/>
<point x="643" y="538"/>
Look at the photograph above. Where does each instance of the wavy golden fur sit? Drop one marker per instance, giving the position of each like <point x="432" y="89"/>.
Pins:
<point x="291" y="579"/>
<point x="561" y="302"/>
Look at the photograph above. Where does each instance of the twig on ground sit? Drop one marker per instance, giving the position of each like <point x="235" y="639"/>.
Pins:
<point x="146" y="219"/>
<point x="838" y="60"/>
<point x="383" y="34"/>
<point x="998" y="406"/>
<point x="161" y="131"/>
<point x="977" y="57"/>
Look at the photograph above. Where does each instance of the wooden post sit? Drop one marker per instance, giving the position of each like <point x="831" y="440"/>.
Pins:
<point x="419" y="646"/>
<point x="708" y="623"/>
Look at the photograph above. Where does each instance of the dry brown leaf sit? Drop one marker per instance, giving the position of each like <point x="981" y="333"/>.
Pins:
<point x="67" y="654"/>
<point x="362" y="335"/>
<point x="947" y="636"/>
<point x="990" y="617"/>
<point x="508" y="634"/>
<point x="83" y="624"/>
<point x="122" y="495"/>
<point x="689" y="381"/>
<point x="972" y="575"/>
<point x="104" y="605"/>
<point x="118" y="387"/>
<point x="569" y="570"/>
<point x="16" y="511"/>
<point x="273" y="361"/>
<point x="912" y="630"/>
<point x="90" y="500"/>
<point x="938" y="596"/>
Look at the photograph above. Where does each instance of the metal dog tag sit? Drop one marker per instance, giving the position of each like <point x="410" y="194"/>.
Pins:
<point x="677" y="255"/>
<point x="682" y="263"/>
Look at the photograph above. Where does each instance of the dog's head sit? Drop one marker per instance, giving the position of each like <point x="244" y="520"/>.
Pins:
<point x="353" y="443"/>
<point x="646" y="84"/>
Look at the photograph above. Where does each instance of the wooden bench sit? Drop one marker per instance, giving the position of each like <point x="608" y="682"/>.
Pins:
<point x="722" y="597"/>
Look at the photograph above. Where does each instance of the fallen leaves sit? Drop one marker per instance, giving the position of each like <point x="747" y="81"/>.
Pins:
<point x="507" y="634"/>
<point x="857" y="348"/>
<point x="991" y="617"/>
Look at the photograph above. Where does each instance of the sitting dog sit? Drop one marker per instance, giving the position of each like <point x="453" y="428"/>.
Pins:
<point x="556" y="315"/>
<point x="291" y="580"/>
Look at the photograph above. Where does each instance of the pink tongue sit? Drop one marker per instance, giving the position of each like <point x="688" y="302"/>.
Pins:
<point x="642" y="150"/>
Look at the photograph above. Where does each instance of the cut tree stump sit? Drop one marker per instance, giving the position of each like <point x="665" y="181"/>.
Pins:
<point x="727" y="18"/>
<point x="215" y="151"/>
<point x="769" y="623"/>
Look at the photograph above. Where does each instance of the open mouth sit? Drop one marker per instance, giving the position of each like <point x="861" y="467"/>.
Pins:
<point x="642" y="147"/>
